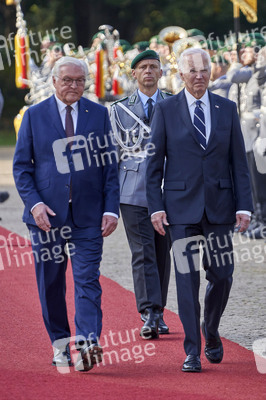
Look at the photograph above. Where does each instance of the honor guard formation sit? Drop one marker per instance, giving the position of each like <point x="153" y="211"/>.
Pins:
<point x="238" y="73"/>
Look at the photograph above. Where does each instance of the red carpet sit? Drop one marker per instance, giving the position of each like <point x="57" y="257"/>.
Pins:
<point x="132" y="368"/>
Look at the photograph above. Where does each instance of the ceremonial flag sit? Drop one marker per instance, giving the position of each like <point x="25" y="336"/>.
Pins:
<point x="248" y="8"/>
<point x="22" y="60"/>
<point x="116" y="88"/>
<point x="99" y="79"/>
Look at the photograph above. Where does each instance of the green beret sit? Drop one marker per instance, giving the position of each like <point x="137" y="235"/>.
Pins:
<point x="253" y="39"/>
<point x="194" y="32"/>
<point x="145" y="55"/>
<point x="141" y="46"/>
<point x="219" y="59"/>
<point x="156" y="39"/>
<point x="99" y="34"/>
<point x="56" y="46"/>
<point x="209" y="44"/>
<point x="49" y="38"/>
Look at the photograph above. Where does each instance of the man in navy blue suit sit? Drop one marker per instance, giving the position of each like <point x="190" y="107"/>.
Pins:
<point x="66" y="174"/>
<point x="200" y="158"/>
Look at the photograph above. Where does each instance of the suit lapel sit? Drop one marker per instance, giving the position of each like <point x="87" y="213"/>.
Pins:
<point x="83" y="115"/>
<point x="54" y="116"/>
<point x="185" y="115"/>
<point x="215" y="114"/>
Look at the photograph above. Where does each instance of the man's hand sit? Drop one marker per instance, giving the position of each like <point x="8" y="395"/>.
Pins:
<point x="242" y="222"/>
<point x="40" y="214"/>
<point x="109" y="224"/>
<point x="158" y="221"/>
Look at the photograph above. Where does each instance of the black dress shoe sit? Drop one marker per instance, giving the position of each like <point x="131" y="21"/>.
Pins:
<point x="62" y="357"/>
<point x="213" y="347"/>
<point x="162" y="327"/>
<point x="192" y="364"/>
<point x="150" y="327"/>
<point x="88" y="357"/>
<point x="3" y="196"/>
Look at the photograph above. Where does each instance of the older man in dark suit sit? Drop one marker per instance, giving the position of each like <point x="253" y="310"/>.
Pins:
<point x="66" y="174"/>
<point x="206" y="190"/>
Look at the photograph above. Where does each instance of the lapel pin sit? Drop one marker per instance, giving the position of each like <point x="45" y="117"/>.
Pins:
<point x="216" y="106"/>
<point x="86" y="110"/>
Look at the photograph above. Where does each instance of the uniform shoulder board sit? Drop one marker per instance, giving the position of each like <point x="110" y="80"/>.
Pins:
<point x="117" y="101"/>
<point x="165" y="94"/>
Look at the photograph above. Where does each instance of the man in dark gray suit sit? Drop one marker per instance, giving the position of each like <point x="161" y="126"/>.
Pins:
<point x="200" y="156"/>
<point x="130" y="118"/>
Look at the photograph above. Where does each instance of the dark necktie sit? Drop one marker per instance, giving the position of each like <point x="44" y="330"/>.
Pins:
<point x="150" y="107"/>
<point x="199" y="124"/>
<point x="69" y="126"/>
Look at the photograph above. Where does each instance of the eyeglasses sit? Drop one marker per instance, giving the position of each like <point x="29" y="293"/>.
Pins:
<point x="69" y="81"/>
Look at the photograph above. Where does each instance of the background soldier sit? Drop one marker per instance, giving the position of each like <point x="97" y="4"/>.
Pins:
<point x="130" y="118"/>
<point x="248" y="76"/>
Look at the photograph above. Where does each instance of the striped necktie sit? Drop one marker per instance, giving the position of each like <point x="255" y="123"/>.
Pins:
<point x="199" y="124"/>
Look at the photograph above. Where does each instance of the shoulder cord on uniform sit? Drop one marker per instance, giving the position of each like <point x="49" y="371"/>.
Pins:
<point x="115" y="121"/>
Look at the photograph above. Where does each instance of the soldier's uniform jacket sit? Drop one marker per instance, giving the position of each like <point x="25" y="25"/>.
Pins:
<point x="250" y="101"/>
<point x="262" y="85"/>
<point x="260" y="143"/>
<point x="133" y="146"/>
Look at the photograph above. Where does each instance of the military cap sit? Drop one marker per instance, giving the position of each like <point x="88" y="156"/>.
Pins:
<point x="49" y="38"/>
<point x="219" y="59"/>
<point x="253" y="39"/>
<point x="99" y="34"/>
<point x="125" y="45"/>
<point x="141" y="46"/>
<point x="145" y="55"/>
<point x="194" y="32"/>
<point x="156" y="39"/>
<point x="56" y="47"/>
<point x="210" y="44"/>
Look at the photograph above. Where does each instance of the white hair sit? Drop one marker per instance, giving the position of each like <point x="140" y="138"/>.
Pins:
<point x="69" y="61"/>
<point x="183" y="63"/>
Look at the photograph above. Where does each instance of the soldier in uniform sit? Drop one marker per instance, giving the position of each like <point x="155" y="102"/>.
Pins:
<point x="259" y="147"/>
<point x="250" y="103"/>
<point x="130" y="119"/>
<point x="219" y="83"/>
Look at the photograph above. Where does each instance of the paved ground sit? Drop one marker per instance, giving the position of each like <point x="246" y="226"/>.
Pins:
<point x="244" y="320"/>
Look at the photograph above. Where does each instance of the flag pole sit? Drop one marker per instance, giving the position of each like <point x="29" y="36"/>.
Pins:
<point x="237" y="30"/>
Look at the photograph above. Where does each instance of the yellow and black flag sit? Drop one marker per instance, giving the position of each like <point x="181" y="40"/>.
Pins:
<point x="248" y="8"/>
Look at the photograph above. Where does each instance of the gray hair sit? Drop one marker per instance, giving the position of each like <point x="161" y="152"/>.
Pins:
<point x="69" y="61"/>
<point x="182" y="63"/>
